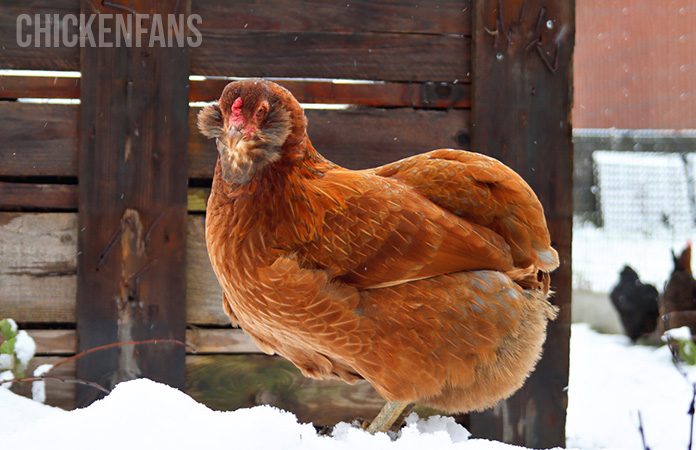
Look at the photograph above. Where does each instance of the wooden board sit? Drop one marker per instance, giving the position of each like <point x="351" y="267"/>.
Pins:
<point x="204" y="341"/>
<point x="361" y="16"/>
<point x="14" y="87"/>
<point x="38" y="140"/>
<point x="132" y="206"/>
<point x="41" y="140"/>
<point x="427" y="94"/>
<point x="39" y="266"/>
<point x="13" y="56"/>
<point x="389" y="40"/>
<point x="24" y="196"/>
<point x="521" y="114"/>
<point x="392" y="57"/>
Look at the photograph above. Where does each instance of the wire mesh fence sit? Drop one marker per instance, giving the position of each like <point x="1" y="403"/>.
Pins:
<point x="634" y="203"/>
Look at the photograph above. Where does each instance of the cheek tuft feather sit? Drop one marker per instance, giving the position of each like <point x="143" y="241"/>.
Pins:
<point x="210" y="122"/>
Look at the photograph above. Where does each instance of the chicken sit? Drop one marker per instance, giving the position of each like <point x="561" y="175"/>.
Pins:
<point x="427" y="277"/>
<point x="636" y="303"/>
<point x="677" y="304"/>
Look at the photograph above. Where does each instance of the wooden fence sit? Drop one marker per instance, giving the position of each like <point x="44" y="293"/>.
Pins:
<point x="102" y="239"/>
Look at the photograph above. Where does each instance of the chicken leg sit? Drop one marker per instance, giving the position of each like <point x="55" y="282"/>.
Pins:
<point x="389" y="414"/>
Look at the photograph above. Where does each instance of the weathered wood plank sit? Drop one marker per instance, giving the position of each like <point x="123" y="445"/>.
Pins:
<point x="388" y="57"/>
<point x="41" y="140"/>
<point x="38" y="140"/>
<point x="204" y="340"/>
<point x="13" y="87"/>
<point x="12" y="56"/>
<point x="54" y="342"/>
<point x="426" y="94"/>
<point x="38" y="268"/>
<point x="359" y="138"/>
<point x="203" y="292"/>
<point x="521" y="114"/>
<point x="63" y="197"/>
<point x="430" y="95"/>
<point x="132" y="206"/>
<point x="57" y="197"/>
<point x="385" y="16"/>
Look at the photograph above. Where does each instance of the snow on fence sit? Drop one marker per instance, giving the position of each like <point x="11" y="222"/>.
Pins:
<point x="634" y="203"/>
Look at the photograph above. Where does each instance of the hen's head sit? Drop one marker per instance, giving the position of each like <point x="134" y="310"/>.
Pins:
<point x="256" y="123"/>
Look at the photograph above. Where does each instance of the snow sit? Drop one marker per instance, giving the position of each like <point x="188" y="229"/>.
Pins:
<point x="145" y="414"/>
<point x="24" y="348"/>
<point x="679" y="334"/>
<point x="610" y="382"/>
<point x="38" y="388"/>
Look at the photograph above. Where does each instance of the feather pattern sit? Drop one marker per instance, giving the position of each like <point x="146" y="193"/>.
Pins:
<point x="428" y="277"/>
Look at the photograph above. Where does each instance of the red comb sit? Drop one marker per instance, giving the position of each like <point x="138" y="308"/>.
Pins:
<point x="236" y="115"/>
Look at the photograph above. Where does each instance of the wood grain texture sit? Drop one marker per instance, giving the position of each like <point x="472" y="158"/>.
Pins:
<point x="387" y="94"/>
<point x="132" y="207"/>
<point x="426" y="94"/>
<point x="13" y="56"/>
<point x="203" y="292"/>
<point x="388" y="57"/>
<point x="38" y="268"/>
<point x="38" y="139"/>
<point x="204" y="340"/>
<point x="361" y="16"/>
<point x="521" y="115"/>
<point x="23" y="196"/>
<point x="41" y="140"/>
<point x="14" y="87"/>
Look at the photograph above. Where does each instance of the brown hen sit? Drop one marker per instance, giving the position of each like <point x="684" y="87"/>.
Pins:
<point x="427" y="277"/>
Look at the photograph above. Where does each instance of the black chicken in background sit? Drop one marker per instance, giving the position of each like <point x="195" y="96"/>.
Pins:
<point x="636" y="303"/>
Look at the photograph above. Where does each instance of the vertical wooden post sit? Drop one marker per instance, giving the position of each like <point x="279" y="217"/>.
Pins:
<point x="522" y="97"/>
<point x="132" y="200"/>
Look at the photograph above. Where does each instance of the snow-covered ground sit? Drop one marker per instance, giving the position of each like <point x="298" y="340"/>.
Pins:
<point x="610" y="382"/>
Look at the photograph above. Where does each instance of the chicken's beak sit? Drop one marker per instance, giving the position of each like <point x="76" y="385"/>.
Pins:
<point x="233" y="134"/>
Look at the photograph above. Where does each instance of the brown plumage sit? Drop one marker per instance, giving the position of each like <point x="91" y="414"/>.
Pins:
<point x="427" y="277"/>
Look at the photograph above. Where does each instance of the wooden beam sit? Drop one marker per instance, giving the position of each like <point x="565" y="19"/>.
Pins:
<point x="38" y="271"/>
<point x="360" y="16"/>
<point x="203" y="340"/>
<point x="360" y="56"/>
<point x="38" y="140"/>
<point x="33" y="57"/>
<point x="388" y="94"/>
<point x="522" y="96"/>
<point x="23" y="196"/>
<point x="423" y="95"/>
<point x="132" y="205"/>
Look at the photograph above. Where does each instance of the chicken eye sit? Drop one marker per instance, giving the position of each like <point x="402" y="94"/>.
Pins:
<point x="260" y="112"/>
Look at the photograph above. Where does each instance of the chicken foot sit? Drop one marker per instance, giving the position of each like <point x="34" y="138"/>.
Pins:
<point x="389" y="415"/>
